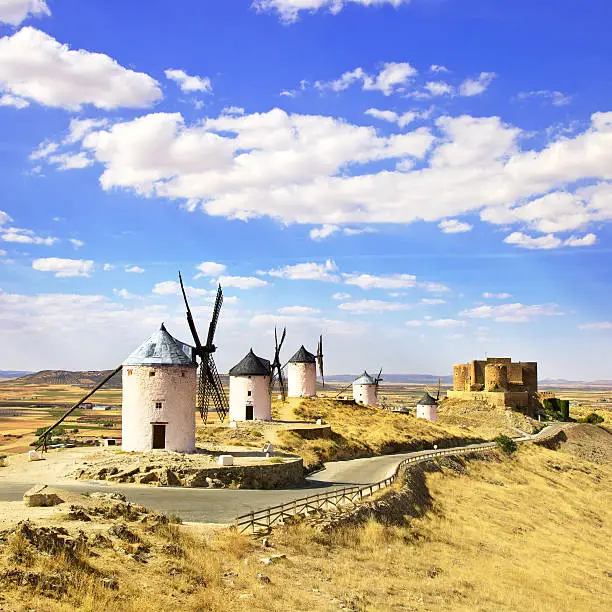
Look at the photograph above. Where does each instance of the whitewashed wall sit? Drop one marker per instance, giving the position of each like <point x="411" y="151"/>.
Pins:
<point x="427" y="412"/>
<point x="302" y="379"/>
<point x="365" y="394"/>
<point x="175" y="388"/>
<point x="260" y="397"/>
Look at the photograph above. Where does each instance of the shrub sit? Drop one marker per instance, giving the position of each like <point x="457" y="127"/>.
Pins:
<point x="593" y="419"/>
<point x="557" y="409"/>
<point x="506" y="444"/>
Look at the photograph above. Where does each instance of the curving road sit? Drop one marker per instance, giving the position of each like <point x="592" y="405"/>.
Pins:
<point x="223" y="505"/>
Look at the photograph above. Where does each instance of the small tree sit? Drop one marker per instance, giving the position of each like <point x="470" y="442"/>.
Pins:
<point x="506" y="444"/>
<point x="593" y="419"/>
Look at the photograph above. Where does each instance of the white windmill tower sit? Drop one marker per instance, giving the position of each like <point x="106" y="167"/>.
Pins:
<point x="427" y="406"/>
<point x="250" y="389"/>
<point x="365" y="389"/>
<point x="159" y="392"/>
<point x="302" y="371"/>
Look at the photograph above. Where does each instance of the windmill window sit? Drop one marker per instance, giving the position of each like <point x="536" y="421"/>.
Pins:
<point x="158" y="405"/>
<point x="130" y="372"/>
<point x="152" y="373"/>
<point x="249" y="393"/>
<point x="182" y="374"/>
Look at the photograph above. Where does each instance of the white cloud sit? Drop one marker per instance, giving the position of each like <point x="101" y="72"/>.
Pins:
<point x="364" y="306"/>
<point x="402" y="120"/>
<point x="429" y="322"/>
<point x="76" y="243"/>
<point x="325" y="272"/>
<point x="210" y="268"/>
<point x="325" y="231"/>
<point x="14" y="101"/>
<point x="134" y="269"/>
<point x="36" y="67"/>
<point x="549" y="241"/>
<point x="433" y="301"/>
<point x="605" y="325"/>
<point x="63" y="268"/>
<point x="437" y="68"/>
<point x="241" y="282"/>
<point x="108" y="267"/>
<point x="474" y="87"/>
<point x="439" y="88"/>
<point x="67" y="161"/>
<point x="311" y="170"/>
<point x="25" y="236"/>
<point x="434" y="287"/>
<point x="14" y="12"/>
<point x="369" y="281"/>
<point x="288" y="10"/>
<point x="233" y="110"/>
<point x="453" y="226"/>
<point x="341" y="296"/>
<point x="556" y="98"/>
<point x="4" y="218"/>
<point x="298" y="310"/>
<point x="172" y="287"/>
<point x="43" y="150"/>
<point x="414" y="323"/>
<point x="512" y="313"/>
<point x="125" y="294"/>
<point x="495" y="296"/>
<point x="393" y="77"/>
<point x="79" y="128"/>
<point x="189" y="83"/>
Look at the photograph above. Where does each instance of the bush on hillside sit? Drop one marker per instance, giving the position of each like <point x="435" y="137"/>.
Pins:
<point x="506" y="444"/>
<point x="557" y="409"/>
<point x="593" y="419"/>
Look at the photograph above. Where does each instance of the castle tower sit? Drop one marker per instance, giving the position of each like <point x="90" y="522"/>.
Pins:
<point x="365" y="390"/>
<point x="302" y="374"/>
<point x="496" y="377"/>
<point x="427" y="408"/>
<point x="250" y="389"/>
<point x="159" y="388"/>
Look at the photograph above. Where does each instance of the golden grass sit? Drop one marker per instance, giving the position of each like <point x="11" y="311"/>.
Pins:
<point x="532" y="533"/>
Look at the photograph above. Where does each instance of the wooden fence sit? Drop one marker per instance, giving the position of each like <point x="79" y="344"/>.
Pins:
<point x="264" y="520"/>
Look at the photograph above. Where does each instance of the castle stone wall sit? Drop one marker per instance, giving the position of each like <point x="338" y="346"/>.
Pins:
<point x="496" y="377"/>
<point x="461" y="377"/>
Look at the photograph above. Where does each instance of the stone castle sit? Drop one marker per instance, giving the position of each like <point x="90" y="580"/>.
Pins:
<point x="498" y="381"/>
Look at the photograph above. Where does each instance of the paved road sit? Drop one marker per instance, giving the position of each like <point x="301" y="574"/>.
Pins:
<point x="223" y="505"/>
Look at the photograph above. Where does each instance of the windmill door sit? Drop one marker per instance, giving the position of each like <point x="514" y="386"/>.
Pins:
<point x="249" y="412"/>
<point x="159" y="436"/>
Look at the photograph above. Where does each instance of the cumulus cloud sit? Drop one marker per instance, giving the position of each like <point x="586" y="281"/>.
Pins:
<point x="134" y="269"/>
<point x="512" y="313"/>
<point x="241" y="282"/>
<point x="76" y="243"/>
<point x="108" y="267"/>
<point x="433" y="301"/>
<point x="549" y="241"/>
<point x="24" y="236"/>
<point x="429" y="322"/>
<point x="365" y="306"/>
<point x="474" y="87"/>
<point x="14" y="101"/>
<point x="289" y="10"/>
<point x="325" y="231"/>
<point x="172" y="287"/>
<point x="453" y="226"/>
<point x="15" y="12"/>
<point x="188" y="83"/>
<point x="341" y="296"/>
<point x="402" y="120"/>
<point x="64" y="268"/>
<point x="393" y="77"/>
<point x="36" y="67"/>
<point x="210" y="268"/>
<point x="326" y="272"/>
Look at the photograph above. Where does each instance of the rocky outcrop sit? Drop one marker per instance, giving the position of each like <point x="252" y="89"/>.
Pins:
<point x="41" y="495"/>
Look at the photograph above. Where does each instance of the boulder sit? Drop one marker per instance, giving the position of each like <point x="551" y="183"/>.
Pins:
<point x="41" y="495"/>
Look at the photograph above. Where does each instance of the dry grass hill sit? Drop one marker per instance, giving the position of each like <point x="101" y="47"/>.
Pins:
<point x="84" y="380"/>
<point x="529" y="532"/>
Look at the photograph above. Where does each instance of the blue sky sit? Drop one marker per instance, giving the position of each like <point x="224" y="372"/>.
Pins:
<point x="423" y="182"/>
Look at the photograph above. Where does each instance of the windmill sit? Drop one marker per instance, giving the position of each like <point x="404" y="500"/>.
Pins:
<point x="210" y="392"/>
<point x="319" y="358"/>
<point x="277" y="373"/>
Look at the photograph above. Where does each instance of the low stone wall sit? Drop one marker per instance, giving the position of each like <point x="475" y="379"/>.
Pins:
<point x="289" y="473"/>
<point x="312" y="433"/>
<point x="512" y="399"/>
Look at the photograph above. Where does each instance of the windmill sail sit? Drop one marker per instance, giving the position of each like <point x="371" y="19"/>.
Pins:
<point x="210" y="392"/>
<point x="320" y="359"/>
<point x="277" y="372"/>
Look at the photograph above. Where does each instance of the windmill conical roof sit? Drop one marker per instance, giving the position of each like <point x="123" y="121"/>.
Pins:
<point x="303" y="356"/>
<point x="251" y="365"/>
<point x="364" y="379"/>
<point x="160" y="349"/>
<point x="427" y="400"/>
